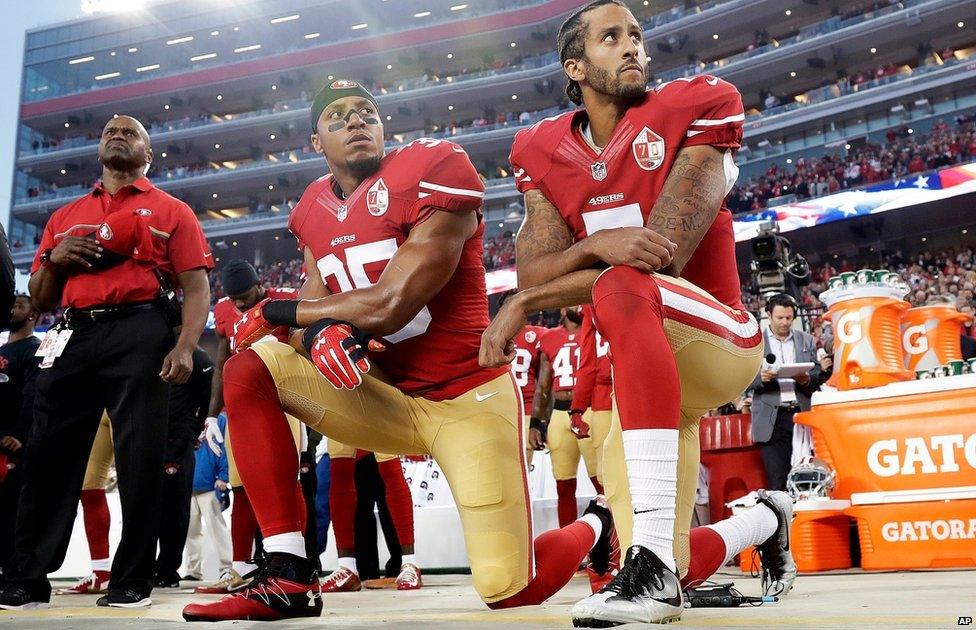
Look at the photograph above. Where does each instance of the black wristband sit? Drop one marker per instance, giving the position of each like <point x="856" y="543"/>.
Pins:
<point x="535" y="423"/>
<point x="281" y="312"/>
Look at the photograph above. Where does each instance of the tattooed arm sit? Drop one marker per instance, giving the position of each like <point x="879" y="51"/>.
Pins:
<point x="545" y="251"/>
<point x="689" y="201"/>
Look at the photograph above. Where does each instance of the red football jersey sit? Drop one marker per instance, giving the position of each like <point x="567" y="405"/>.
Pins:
<point x="619" y="186"/>
<point x="353" y="239"/>
<point x="226" y="313"/>
<point x="594" y="378"/>
<point x="525" y="367"/>
<point x="562" y="349"/>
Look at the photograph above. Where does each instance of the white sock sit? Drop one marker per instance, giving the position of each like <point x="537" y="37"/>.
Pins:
<point x="290" y="542"/>
<point x="348" y="563"/>
<point x="652" y="469"/>
<point x="102" y="564"/>
<point x="243" y="567"/>
<point x="409" y="558"/>
<point x="752" y="527"/>
<point x="595" y="523"/>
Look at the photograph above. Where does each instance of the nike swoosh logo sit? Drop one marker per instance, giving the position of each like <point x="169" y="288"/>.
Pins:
<point x="207" y="369"/>
<point x="481" y="397"/>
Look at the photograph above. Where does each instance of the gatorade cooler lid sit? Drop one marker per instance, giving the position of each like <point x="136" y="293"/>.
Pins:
<point x="913" y="496"/>
<point x="840" y="294"/>
<point x="819" y="504"/>
<point x="831" y="396"/>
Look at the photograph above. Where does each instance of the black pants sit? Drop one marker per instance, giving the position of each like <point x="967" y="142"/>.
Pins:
<point x="9" y="493"/>
<point x="776" y="453"/>
<point x="175" y="514"/>
<point x="111" y="365"/>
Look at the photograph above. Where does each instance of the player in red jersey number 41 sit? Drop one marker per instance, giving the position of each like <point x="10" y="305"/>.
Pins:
<point x="397" y="243"/>
<point x="642" y="234"/>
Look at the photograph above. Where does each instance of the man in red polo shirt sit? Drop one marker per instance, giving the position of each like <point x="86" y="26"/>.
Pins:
<point x="104" y="257"/>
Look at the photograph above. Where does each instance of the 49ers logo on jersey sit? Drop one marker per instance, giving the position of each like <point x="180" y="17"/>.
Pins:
<point x="378" y="198"/>
<point x="648" y="148"/>
<point x="105" y="232"/>
<point x="530" y="336"/>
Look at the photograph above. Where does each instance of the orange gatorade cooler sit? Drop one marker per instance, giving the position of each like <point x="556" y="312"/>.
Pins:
<point x="914" y="435"/>
<point x="916" y="530"/>
<point x="867" y="335"/>
<point x="819" y="536"/>
<point x="930" y="336"/>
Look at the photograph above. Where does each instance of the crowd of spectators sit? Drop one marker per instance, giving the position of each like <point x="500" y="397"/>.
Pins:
<point x="903" y="153"/>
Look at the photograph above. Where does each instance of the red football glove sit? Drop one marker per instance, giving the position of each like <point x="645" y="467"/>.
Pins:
<point x="339" y="355"/>
<point x="578" y="425"/>
<point x="251" y="327"/>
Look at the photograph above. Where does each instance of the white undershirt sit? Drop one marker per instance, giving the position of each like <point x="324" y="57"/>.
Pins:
<point x="587" y="134"/>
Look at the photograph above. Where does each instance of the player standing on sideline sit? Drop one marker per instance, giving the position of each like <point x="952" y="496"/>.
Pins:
<point x="243" y="290"/>
<point x="560" y="352"/>
<point x="527" y="370"/>
<point x="397" y="240"/>
<point x="651" y="169"/>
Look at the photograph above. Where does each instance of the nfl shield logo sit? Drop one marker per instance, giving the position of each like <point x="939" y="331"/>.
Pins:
<point x="599" y="171"/>
<point x="378" y="198"/>
<point x="342" y="212"/>
<point x="648" y="149"/>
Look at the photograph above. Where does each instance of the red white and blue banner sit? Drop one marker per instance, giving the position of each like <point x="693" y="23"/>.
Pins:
<point x="896" y="193"/>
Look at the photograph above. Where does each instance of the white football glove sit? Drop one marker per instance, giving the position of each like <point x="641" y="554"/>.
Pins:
<point x="212" y="436"/>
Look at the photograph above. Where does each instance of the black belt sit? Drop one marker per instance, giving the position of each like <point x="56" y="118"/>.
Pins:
<point x="790" y="407"/>
<point x="562" y="405"/>
<point x="105" y="313"/>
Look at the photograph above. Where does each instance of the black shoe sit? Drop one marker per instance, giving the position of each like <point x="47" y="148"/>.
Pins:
<point x="285" y="587"/>
<point x="19" y="597"/>
<point x="778" y="566"/>
<point x="605" y="554"/>
<point x="190" y="578"/>
<point x="645" y="590"/>
<point x="167" y="581"/>
<point x="125" y="598"/>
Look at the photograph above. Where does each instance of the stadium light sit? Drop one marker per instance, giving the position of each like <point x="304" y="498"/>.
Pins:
<point x="793" y="74"/>
<point x="220" y="97"/>
<point x="204" y="56"/>
<point x="133" y="49"/>
<point x="163" y="154"/>
<point x="421" y="14"/>
<point x="72" y="62"/>
<point x="960" y="24"/>
<point x="64" y="172"/>
<point x="389" y="66"/>
<point x="450" y="55"/>
<point x="214" y="33"/>
<point x="154" y="66"/>
<point x="244" y="49"/>
<point x="715" y="36"/>
<point x="312" y="35"/>
<point x="111" y="6"/>
<point x="66" y="125"/>
<point x="179" y="40"/>
<point x="214" y="195"/>
<point x="287" y="18"/>
<point x="512" y="44"/>
<point x="459" y="7"/>
<point x="357" y="27"/>
<point x="274" y="87"/>
<point x="873" y="50"/>
<point x="788" y="13"/>
<point x="109" y="75"/>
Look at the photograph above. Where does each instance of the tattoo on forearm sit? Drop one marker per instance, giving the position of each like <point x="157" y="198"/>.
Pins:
<point x="689" y="201"/>
<point x="544" y="230"/>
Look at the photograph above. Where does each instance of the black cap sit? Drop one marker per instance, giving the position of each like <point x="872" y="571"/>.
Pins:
<point x="340" y="88"/>
<point x="238" y="276"/>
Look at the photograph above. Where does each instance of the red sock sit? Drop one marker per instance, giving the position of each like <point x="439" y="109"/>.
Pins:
<point x="342" y="500"/>
<point x="263" y="446"/>
<point x="558" y="554"/>
<point x="566" y="501"/>
<point x="596" y="484"/>
<point x="707" y="555"/>
<point x="398" y="499"/>
<point x="243" y="526"/>
<point x="630" y="316"/>
<point x="95" y="513"/>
